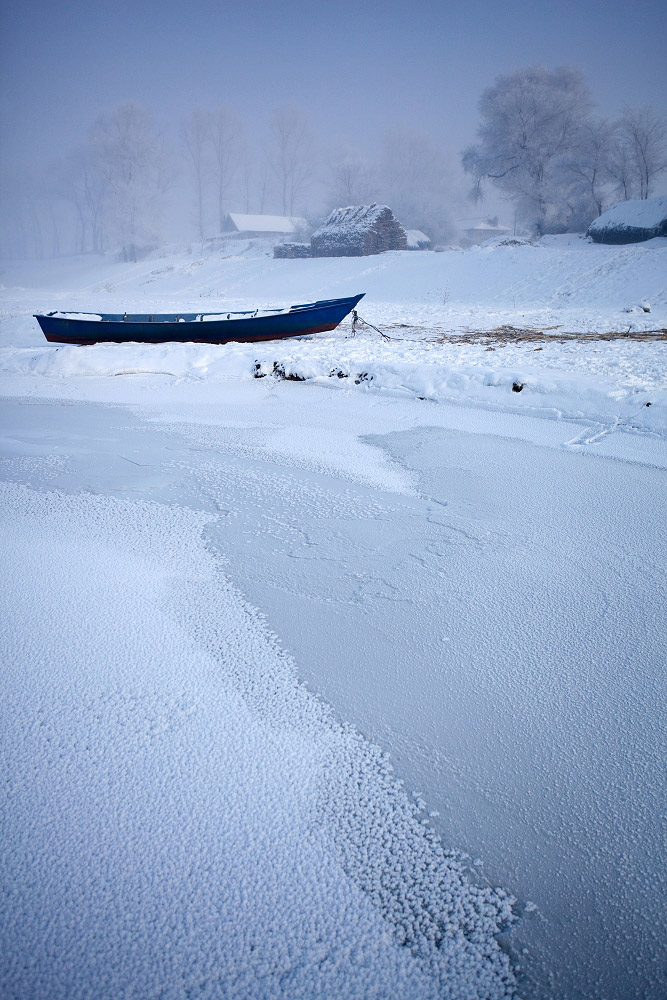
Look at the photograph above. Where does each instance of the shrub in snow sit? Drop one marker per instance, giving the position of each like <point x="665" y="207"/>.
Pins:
<point x="631" y="221"/>
<point x="358" y="231"/>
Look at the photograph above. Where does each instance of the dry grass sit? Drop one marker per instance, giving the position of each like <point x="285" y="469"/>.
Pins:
<point x="502" y="335"/>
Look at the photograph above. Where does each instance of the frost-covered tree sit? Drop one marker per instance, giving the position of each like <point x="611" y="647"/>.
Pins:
<point x="350" y="180"/>
<point x="135" y="166"/>
<point x="22" y="229"/>
<point x="414" y="179"/>
<point x="621" y="168"/>
<point x="411" y="174"/>
<point x="196" y="130"/>
<point x="246" y="180"/>
<point x="255" y="178"/>
<point x="531" y="120"/>
<point x="584" y="175"/>
<point x="227" y="139"/>
<point x="36" y="214"/>
<point x="291" y="155"/>
<point x="262" y="189"/>
<point x="82" y="182"/>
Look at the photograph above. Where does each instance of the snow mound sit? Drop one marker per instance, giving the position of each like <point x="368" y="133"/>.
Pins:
<point x="631" y="221"/>
<point x="600" y="382"/>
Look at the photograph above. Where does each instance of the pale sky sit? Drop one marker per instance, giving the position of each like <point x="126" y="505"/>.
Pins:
<point x="353" y="67"/>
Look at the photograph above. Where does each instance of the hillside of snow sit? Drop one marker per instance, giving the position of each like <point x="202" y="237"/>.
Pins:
<point x="561" y="284"/>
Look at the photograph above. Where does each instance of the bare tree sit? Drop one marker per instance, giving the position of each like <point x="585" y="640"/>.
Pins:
<point x="196" y="130"/>
<point x="226" y="134"/>
<point x="262" y="182"/>
<point x="587" y="170"/>
<point x="134" y="163"/>
<point x="413" y="177"/>
<point x="530" y="120"/>
<point x="350" y="179"/>
<point x="55" y="228"/>
<point x="621" y="167"/>
<point x="291" y="154"/>
<point x="643" y="137"/>
<point x="21" y="231"/>
<point x="31" y="213"/>
<point x="82" y="182"/>
<point x="246" y="180"/>
<point x="94" y="192"/>
<point x="13" y="237"/>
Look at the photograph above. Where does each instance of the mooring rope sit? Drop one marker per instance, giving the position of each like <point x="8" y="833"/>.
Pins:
<point x="356" y="318"/>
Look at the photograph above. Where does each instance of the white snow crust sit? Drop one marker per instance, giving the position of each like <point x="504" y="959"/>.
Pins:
<point x="175" y="792"/>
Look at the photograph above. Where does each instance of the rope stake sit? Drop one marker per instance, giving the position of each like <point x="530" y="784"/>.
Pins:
<point x="357" y="319"/>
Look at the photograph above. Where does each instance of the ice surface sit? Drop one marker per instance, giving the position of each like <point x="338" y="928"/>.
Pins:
<point x="185" y="818"/>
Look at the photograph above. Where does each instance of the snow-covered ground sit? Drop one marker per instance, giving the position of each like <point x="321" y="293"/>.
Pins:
<point x="563" y="283"/>
<point x="464" y="576"/>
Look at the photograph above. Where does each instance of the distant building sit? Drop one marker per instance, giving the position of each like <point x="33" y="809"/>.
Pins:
<point x="631" y="222"/>
<point x="357" y="231"/>
<point x="484" y="231"/>
<point x="280" y="226"/>
<point x="417" y="240"/>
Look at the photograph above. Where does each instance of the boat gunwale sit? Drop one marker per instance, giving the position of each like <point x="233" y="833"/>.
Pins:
<point x="178" y="319"/>
<point x="219" y="328"/>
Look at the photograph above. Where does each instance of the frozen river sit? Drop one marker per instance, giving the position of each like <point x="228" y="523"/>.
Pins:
<point x="487" y="606"/>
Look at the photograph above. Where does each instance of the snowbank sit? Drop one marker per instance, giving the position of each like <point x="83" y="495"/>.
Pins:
<point x="597" y="382"/>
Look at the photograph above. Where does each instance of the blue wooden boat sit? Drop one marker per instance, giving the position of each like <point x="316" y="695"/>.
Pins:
<point x="195" y="328"/>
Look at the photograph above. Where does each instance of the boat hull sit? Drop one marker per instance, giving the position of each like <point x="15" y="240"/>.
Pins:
<point x="299" y="321"/>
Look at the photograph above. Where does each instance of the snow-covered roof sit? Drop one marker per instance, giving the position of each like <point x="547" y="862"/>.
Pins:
<point x="266" y="223"/>
<point x="645" y="214"/>
<point x="485" y="227"/>
<point x="416" y="237"/>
